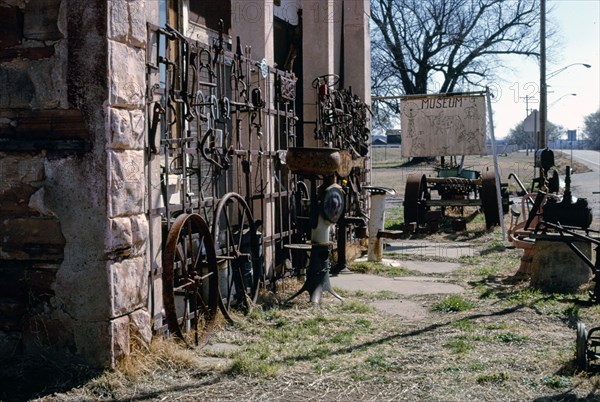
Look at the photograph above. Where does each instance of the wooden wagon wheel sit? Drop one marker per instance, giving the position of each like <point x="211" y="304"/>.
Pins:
<point x="189" y="278"/>
<point x="415" y="196"/>
<point x="238" y="254"/>
<point x="489" y="199"/>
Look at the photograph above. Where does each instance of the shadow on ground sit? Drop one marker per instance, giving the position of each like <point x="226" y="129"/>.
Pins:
<point x="31" y="377"/>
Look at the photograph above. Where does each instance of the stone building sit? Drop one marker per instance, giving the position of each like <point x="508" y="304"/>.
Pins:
<point x="78" y="246"/>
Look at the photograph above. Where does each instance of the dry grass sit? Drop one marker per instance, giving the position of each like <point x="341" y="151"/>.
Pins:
<point x="512" y="343"/>
<point x="498" y="340"/>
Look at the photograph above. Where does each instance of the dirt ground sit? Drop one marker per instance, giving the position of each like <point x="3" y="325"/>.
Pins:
<point x="496" y="340"/>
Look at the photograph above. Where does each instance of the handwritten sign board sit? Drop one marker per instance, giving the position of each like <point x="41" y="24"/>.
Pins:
<point x="443" y="125"/>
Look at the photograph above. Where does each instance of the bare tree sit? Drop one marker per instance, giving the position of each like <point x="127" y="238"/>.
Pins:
<point x="453" y="43"/>
<point x="526" y="139"/>
<point x="591" y="130"/>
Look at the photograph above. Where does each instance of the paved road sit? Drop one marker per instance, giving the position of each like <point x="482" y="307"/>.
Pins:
<point x="584" y="185"/>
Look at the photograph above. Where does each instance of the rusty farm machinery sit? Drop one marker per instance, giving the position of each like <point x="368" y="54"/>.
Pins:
<point x="455" y="188"/>
<point x="447" y="125"/>
<point x="230" y="208"/>
<point x="560" y="219"/>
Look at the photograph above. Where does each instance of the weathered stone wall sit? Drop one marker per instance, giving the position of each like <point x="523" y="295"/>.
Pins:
<point x="127" y="224"/>
<point x="72" y="226"/>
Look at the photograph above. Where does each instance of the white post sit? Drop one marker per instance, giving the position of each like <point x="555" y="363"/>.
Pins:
<point x="376" y="223"/>
<point x="496" y="170"/>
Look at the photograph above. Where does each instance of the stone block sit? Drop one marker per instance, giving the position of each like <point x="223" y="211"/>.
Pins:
<point x="17" y="88"/>
<point x="41" y="20"/>
<point x="126" y="129"/>
<point x="126" y="189"/>
<point x="118" y="237"/>
<point x="137" y="15"/>
<point x="31" y="238"/>
<point x="127" y="22"/>
<point x="18" y="168"/>
<point x="138" y="126"/>
<point x="11" y="29"/>
<point x="141" y="326"/>
<point x="140" y="233"/>
<point x="118" y="21"/>
<point x="15" y="201"/>
<point x="556" y="268"/>
<point x="119" y="332"/>
<point x="120" y="129"/>
<point x="127" y="79"/>
<point x="129" y="286"/>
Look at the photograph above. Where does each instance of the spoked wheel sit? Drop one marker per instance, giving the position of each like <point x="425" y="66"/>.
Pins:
<point x="489" y="199"/>
<point x="415" y="197"/>
<point x="238" y="254"/>
<point x="330" y="80"/>
<point x="581" y="347"/>
<point x="190" y="279"/>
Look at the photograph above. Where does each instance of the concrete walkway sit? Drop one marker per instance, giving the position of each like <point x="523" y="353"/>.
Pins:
<point x="404" y="286"/>
<point x="431" y="249"/>
<point x="409" y="285"/>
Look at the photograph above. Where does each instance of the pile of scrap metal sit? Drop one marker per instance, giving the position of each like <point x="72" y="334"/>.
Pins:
<point x="548" y="211"/>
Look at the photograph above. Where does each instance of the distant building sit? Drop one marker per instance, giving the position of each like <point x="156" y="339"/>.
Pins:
<point x="393" y="136"/>
<point x="379" y="140"/>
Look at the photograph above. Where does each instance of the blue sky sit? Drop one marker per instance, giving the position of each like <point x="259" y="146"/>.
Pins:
<point x="577" y="23"/>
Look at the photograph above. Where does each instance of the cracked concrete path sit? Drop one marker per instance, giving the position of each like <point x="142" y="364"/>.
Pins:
<point x="409" y="285"/>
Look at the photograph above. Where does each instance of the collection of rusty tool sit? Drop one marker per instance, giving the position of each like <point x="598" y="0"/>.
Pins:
<point x="218" y="120"/>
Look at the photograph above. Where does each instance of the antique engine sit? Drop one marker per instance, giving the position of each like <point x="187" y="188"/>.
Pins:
<point x="570" y="211"/>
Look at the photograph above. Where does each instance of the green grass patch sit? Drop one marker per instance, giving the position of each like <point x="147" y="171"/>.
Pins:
<point x="248" y="365"/>
<point x="459" y="346"/>
<point x="453" y="303"/>
<point x="378" y="362"/>
<point x="510" y="337"/>
<point x="556" y="382"/>
<point x="354" y="306"/>
<point x="525" y="297"/>
<point x="369" y="267"/>
<point x="488" y="270"/>
<point x="377" y="295"/>
<point x="501" y="325"/>
<point x="492" y="378"/>
<point x="394" y="218"/>
<point x="464" y="325"/>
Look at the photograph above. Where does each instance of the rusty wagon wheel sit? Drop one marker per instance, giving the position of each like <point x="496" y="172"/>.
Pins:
<point x="489" y="199"/>
<point x="239" y="258"/>
<point x="581" y="347"/>
<point x="415" y="197"/>
<point x="190" y="278"/>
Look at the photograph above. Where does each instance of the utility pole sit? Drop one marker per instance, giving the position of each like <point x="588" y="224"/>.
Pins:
<point x="543" y="88"/>
<point x="526" y="97"/>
